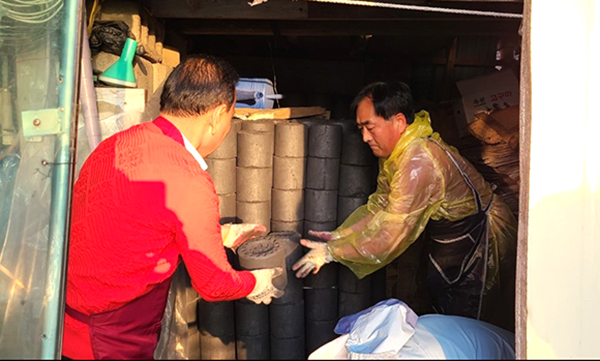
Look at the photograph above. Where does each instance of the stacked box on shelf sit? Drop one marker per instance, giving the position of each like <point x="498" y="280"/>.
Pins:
<point x="287" y="213"/>
<point x="286" y="314"/>
<point x="155" y="62"/>
<point x="217" y="330"/>
<point x="357" y="174"/>
<point x="252" y="327"/>
<point x="255" y="172"/>
<point x="358" y="171"/>
<point x="217" y="327"/>
<point x="354" y="293"/>
<point x="322" y="175"/>
<point x="321" y="306"/>
<point x="320" y="214"/>
<point x="252" y="338"/>
<point x="289" y="165"/>
<point x="222" y="169"/>
<point x="216" y="319"/>
<point x="180" y="306"/>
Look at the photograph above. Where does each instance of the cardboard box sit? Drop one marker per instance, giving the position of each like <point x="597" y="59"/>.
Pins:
<point x="486" y="94"/>
<point x="498" y="126"/>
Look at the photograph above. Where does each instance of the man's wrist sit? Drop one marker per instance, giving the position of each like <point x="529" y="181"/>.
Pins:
<point x="340" y="233"/>
<point x="329" y="257"/>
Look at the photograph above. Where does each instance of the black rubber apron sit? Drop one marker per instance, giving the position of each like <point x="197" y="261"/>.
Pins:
<point x="458" y="258"/>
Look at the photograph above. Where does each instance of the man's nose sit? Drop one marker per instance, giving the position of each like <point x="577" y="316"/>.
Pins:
<point x="366" y="135"/>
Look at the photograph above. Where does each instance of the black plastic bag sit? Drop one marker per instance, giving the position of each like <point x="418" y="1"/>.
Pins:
<point x="109" y="36"/>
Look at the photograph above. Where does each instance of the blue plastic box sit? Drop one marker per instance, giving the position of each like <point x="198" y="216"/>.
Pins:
<point x="255" y="93"/>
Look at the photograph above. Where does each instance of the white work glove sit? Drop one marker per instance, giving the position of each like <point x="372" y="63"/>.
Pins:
<point x="316" y="258"/>
<point x="264" y="290"/>
<point x="234" y="235"/>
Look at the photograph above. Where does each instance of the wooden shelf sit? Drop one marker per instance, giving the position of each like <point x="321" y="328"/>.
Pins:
<point x="279" y="113"/>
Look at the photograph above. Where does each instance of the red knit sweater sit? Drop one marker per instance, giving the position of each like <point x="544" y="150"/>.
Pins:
<point x="140" y="202"/>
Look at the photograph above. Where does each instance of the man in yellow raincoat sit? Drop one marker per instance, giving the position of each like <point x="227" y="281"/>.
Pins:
<point x="424" y="185"/>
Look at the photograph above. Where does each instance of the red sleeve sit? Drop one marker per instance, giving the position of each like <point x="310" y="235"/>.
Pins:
<point x="201" y="246"/>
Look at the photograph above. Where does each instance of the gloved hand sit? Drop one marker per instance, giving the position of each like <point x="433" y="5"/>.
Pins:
<point x="324" y="235"/>
<point x="264" y="290"/>
<point x="234" y="235"/>
<point x="316" y="258"/>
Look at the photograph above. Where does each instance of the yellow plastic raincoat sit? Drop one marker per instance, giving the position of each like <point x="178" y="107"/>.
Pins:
<point x="416" y="183"/>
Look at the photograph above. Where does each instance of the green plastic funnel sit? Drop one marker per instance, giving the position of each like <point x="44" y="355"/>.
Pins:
<point x="121" y="72"/>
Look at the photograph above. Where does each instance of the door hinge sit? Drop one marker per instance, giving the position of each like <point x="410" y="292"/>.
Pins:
<point x="40" y="122"/>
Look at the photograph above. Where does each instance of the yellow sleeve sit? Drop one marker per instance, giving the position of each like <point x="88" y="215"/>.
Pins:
<point x="415" y="192"/>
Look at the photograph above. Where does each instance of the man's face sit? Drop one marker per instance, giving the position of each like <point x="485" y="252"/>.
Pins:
<point x="380" y="134"/>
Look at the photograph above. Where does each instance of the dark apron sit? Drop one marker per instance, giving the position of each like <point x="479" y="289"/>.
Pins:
<point x="129" y="332"/>
<point x="458" y="258"/>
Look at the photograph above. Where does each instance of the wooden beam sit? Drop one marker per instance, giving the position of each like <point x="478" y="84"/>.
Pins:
<point x="349" y="28"/>
<point x="449" y="72"/>
<point x="227" y="9"/>
<point x="481" y="1"/>
<point x="524" y="164"/>
<point x="308" y="10"/>
<point x="328" y="11"/>
<point x="460" y="62"/>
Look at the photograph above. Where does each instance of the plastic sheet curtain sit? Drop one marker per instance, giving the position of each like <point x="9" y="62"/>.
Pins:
<point x="39" y="42"/>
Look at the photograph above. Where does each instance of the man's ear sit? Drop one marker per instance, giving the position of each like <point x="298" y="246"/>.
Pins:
<point x="216" y="116"/>
<point x="221" y="109"/>
<point x="401" y="121"/>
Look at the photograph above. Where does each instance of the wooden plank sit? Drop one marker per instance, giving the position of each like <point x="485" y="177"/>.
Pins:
<point x="449" y="72"/>
<point x="412" y="27"/>
<point x="280" y="113"/>
<point x="524" y="163"/>
<point x="227" y="9"/>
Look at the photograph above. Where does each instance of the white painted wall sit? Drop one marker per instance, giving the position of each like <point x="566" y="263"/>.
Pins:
<point x="563" y="271"/>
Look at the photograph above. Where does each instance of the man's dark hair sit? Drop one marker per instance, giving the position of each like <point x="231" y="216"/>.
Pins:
<point x="198" y="84"/>
<point x="388" y="99"/>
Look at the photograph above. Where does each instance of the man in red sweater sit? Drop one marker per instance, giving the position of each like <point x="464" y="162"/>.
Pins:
<point x="142" y="202"/>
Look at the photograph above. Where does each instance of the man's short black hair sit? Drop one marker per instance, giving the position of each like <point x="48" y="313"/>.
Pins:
<point x="198" y="84"/>
<point x="389" y="99"/>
